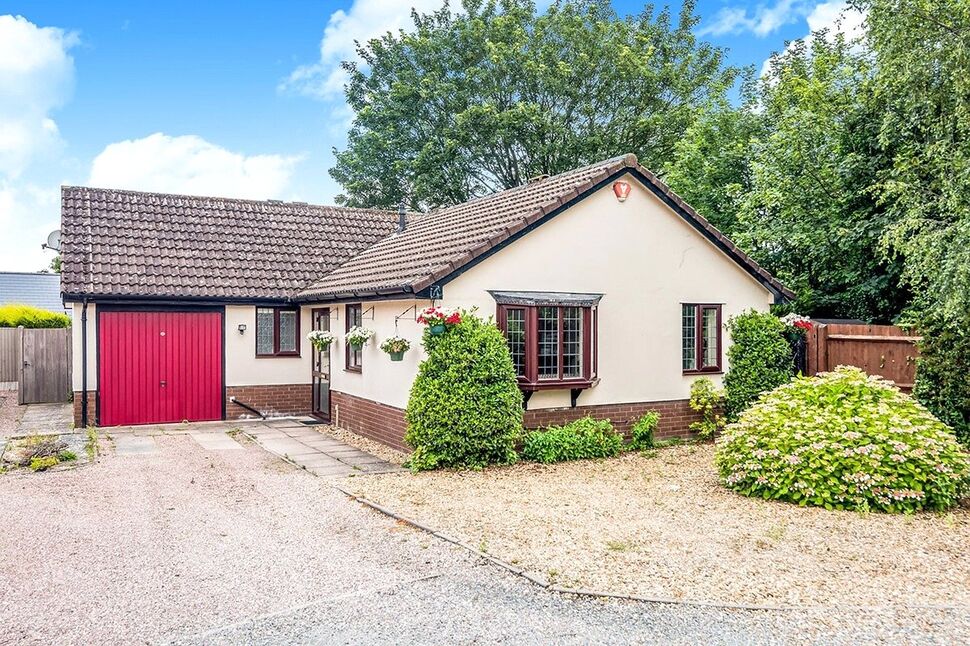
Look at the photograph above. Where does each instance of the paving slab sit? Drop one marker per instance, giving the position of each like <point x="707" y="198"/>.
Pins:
<point x="216" y="441"/>
<point x="127" y="444"/>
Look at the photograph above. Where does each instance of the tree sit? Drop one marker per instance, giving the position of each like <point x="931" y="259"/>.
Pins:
<point x="481" y="100"/>
<point x="809" y="215"/>
<point x="922" y="54"/>
<point x="711" y="166"/>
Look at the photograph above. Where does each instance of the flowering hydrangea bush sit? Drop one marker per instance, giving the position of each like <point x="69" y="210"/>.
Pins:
<point x="844" y="440"/>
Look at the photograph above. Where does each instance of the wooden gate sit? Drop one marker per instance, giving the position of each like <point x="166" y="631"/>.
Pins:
<point x="884" y="350"/>
<point x="45" y="365"/>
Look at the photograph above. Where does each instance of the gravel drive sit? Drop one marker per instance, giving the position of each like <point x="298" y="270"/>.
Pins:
<point x="662" y="527"/>
<point x="186" y="545"/>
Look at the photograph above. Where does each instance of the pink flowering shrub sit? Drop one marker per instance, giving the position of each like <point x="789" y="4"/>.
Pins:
<point x="844" y="440"/>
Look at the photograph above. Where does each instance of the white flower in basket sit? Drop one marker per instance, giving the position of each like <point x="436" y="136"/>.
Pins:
<point x="358" y="336"/>
<point x="321" y="339"/>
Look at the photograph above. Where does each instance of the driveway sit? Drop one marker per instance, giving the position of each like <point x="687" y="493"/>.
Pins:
<point x="184" y="544"/>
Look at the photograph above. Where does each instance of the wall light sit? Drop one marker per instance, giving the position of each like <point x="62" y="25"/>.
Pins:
<point x="242" y="328"/>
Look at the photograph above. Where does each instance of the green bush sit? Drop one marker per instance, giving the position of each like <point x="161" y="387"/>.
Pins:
<point x="641" y="434"/>
<point x="465" y="408"/>
<point x="844" y="440"/>
<point x="43" y="464"/>
<point x="13" y="315"/>
<point x="759" y="359"/>
<point x="578" y="440"/>
<point x="706" y="400"/>
<point x="943" y="372"/>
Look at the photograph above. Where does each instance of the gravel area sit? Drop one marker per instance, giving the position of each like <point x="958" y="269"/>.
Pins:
<point x="185" y="545"/>
<point x="662" y="527"/>
<point x="10" y="412"/>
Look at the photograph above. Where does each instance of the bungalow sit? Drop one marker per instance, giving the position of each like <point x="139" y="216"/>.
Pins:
<point x="611" y="291"/>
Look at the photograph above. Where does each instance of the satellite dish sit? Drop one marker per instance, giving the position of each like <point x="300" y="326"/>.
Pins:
<point x="53" y="240"/>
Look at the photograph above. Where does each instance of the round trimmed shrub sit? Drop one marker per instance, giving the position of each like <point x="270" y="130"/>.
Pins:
<point x="844" y="440"/>
<point x="759" y="359"/>
<point x="465" y="408"/>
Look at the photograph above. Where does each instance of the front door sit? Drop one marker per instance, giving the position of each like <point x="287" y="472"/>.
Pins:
<point x="321" y="367"/>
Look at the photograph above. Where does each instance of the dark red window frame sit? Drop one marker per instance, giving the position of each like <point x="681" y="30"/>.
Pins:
<point x="353" y="359"/>
<point x="276" y="333"/>
<point x="700" y="368"/>
<point x="530" y="380"/>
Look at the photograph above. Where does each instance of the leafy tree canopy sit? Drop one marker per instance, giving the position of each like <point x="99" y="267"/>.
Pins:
<point x="482" y="99"/>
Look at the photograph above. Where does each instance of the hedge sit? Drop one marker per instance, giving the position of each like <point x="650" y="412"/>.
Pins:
<point x="15" y="315"/>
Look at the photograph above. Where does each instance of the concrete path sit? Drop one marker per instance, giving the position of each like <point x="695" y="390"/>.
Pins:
<point x="304" y="445"/>
<point x="320" y="454"/>
<point x="45" y="419"/>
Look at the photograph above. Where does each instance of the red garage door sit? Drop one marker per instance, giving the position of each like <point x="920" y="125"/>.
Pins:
<point x="156" y="367"/>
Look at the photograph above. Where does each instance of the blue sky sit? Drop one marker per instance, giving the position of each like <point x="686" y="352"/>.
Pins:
<point x="220" y="98"/>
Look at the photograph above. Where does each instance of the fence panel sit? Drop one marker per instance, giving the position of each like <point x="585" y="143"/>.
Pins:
<point x="45" y="374"/>
<point x="9" y="348"/>
<point x="884" y="350"/>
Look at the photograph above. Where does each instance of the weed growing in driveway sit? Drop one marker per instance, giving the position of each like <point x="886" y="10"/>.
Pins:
<point x="483" y="546"/>
<point x="618" y="546"/>
<point x="66" y="456"/>
<point x="43" y="464"/>
<point x="91" y="447"/>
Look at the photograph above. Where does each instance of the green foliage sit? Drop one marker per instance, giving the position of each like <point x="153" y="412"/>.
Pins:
<point x="759" y="359"/>
<point x="66" y="456"/>
<point x="710" y="167"/>
<point x="641" y="434"/>
<point x="809" y="215"/>
<point x="922" y="53"/>
<point x="578" y="440"/>
<point x="43" y="464"/>
<point x="709" y="402"/>
<point x="465" y="408"/>
<point x="14" y="315"/>
<point x="484" y="98"/>
<point x="943" y="371"/>
<point x="843" y="440"/>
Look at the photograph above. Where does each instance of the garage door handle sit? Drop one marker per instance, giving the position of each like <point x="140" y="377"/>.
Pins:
<point x="162" y="383"/>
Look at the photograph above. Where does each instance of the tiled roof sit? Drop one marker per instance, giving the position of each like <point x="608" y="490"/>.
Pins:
<point x="444" y="241"/>
<point x="39" y="290"/>
<point x="177" y="246"/>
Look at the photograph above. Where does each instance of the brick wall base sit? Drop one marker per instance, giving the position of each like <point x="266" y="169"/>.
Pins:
<point x="386" y="424"/>
<point x="272" y="401"/>
<point x="92" y="408"/>
<point x="675" y="417"/>
<point x="371" y="419"/>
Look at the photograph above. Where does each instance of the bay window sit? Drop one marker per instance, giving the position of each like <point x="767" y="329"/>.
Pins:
<point x="551" y="337"/>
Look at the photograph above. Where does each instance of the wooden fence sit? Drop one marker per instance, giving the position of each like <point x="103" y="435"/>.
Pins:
<point x="9" y="353"/>
<point x="39" y="361"/>
<point x="884" y="350"/>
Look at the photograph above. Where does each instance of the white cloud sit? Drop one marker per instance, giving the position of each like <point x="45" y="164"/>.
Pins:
<point x="763" y="20"/>
<point x="190" y="164"/>
<point x="28" y="212"/>
<point x="364" y="20"/>
<point x="36" y="76"/>
<point x="836" y="17"/>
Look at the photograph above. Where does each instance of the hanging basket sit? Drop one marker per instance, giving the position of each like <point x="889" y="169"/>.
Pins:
<point x="397" y="356"/>
<point x="437" y="329"/>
